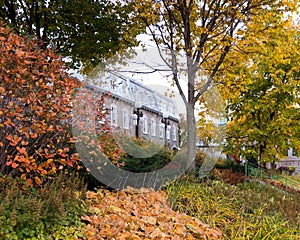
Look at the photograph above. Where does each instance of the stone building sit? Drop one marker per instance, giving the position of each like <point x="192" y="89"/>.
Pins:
<point x="139" y="111"/>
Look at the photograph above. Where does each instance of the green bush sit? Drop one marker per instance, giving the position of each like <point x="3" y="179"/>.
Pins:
<point x="50" y="212"/>
<point x="157" y="161"/>
<point x="229" y="164"/>
<point x="145" y="148"/>
<point x="245" y="211"/>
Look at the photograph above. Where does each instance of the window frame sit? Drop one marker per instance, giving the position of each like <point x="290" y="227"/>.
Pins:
<point x="153" y="127"/>
<point x="125" y="118"/>
<point x="113" y="115"/>
<point x="145" y="124"/>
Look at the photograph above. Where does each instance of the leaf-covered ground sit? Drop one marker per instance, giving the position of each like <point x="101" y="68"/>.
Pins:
<point x="140" y="214"/>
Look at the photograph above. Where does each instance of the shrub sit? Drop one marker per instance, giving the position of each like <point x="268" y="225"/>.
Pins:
<point x="228" y="176"/>
<point x="109" y="146"/>
<point x="229" y="164"/>
<point x="157" y="161"/>
<point x="145" y="164"/>
<point x="35" y="110"/>
<point x="50" y="212"/>
<point x="289" y="170"/>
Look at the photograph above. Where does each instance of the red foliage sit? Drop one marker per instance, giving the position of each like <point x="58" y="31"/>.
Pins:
<point x="92" y="129"/>
<point x="35" y="110"/>
<point x="229" y="176"/>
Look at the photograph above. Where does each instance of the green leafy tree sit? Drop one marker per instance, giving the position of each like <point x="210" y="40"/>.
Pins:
<point x="85" y="30"/>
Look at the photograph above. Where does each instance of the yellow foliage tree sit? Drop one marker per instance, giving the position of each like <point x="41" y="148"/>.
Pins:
<point x="263" y="91"/>
<point x="204" y="33"/>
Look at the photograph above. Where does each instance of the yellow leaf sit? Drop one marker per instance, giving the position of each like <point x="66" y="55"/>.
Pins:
<point x="115" y="209"/>
<point x="38" y="180"/>
<point x="180" y="229"/>
<point x="2" y="90"/>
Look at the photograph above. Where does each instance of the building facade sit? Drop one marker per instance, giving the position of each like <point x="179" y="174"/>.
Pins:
<point x="139" y="111"/>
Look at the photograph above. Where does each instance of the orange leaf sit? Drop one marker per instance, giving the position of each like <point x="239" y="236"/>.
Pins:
<point x="2" y="90"/>
<point x="49" y="155"/>
<point x="58" y="128"/>
<point x="10" y="105"/>
<point x="62" y="161"/>
<point x="15" y="141"/>
<point x="38" y="180"/>
<point x="86" y="218"/>
<point x="29" y="181"/>
<point x="70" y="164"/>
<point x="9" y="163"/>
<point x="63" y="154"/>
<point x="14" y="165"/>
<point x="21" y="150"/>
<point x="33" y="135"/>
<point x="24" y="143"/>
<point x="8" y="122"/>
<point x="9" y="138"/>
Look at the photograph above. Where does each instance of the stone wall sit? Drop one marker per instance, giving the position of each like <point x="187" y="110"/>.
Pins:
<point x="120" y="117"/>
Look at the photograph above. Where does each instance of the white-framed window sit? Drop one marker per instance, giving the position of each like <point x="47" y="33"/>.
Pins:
<point x="161" y="130"/>
<point x="168" y="133"/>
<point x="174" y="133"/>
<point x="125" y="118"/>
<point x="113" y="115"/>
<point x="153" y="127"/>
<point x="145" y="124"/>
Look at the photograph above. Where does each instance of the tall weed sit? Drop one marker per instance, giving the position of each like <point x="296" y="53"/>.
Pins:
<point x="245" y="211"/>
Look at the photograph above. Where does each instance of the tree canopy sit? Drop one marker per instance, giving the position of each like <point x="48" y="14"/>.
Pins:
<point x="86" y="31"/>
<point x="263" y="93"/>
<point x="204" y="33"/>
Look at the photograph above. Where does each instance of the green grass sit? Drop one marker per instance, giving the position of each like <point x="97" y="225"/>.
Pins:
<point x="246" y="211"/>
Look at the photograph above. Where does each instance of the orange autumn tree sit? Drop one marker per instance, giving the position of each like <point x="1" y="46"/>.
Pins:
<point x="35" y="110"/>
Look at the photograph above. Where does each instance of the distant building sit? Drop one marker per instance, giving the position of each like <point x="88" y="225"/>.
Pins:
<point x="138" y="110"/>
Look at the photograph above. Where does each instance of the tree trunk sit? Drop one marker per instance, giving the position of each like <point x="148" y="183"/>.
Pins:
<point x="191" y="138"/>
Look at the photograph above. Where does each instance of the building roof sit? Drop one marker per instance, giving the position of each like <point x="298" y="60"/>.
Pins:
<point x="135" y="93"/>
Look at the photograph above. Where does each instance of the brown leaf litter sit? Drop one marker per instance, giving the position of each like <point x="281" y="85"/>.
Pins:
<point x="140" y="214"/>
